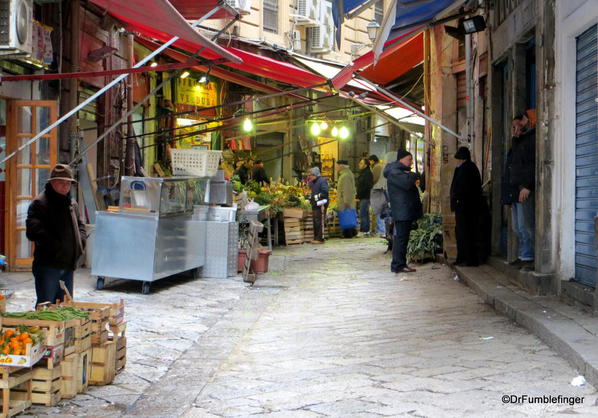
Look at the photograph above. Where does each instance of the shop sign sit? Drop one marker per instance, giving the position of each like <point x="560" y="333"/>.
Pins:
<point x="192" y="93"/>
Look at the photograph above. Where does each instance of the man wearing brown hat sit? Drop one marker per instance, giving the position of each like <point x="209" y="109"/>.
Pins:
<point x="54" y="224"/>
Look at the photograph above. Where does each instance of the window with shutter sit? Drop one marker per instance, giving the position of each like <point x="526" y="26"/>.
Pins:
<point x="379" y="11"/>
<point x="271" y="16"/>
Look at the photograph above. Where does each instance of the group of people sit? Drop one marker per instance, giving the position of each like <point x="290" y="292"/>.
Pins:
<point x="251" y="170"/>
<point x="517" y="192"/>
<point x="377" y="186"/>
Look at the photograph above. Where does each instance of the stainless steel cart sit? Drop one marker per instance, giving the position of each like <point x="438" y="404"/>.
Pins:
<point x="152" y="235"/>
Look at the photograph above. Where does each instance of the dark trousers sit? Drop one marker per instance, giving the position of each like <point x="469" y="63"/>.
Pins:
<point x="466" y="230"/>
<point x="402" y="230"/>
<point x="318" y="219"/>
<point x="47" y="286"/>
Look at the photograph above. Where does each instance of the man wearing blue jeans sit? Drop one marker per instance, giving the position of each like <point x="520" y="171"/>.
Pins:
<point x="518" y="186"/>
<point x="54" y="224"/>
<point x="365" y="181"/>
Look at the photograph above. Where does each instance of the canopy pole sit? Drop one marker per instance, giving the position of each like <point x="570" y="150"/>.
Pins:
<point x="104" y="89"/>
<point x="403" y="103"/>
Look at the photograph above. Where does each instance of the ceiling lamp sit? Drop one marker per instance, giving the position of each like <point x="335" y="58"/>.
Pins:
<point x="315" y="129"/>
<point x="343" y="132"/>
<point x="334" y="132"/>
<point x="323" y="126"/>
<point x="247" y="125"/>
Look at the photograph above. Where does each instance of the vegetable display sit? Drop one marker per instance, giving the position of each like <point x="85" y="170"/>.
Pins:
<point x="58" y="314"/>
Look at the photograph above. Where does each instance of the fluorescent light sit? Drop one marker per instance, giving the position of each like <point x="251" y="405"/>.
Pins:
<point x="185" y="74"/>
<point x="154" y="64"/>
<point x="185" y="122"/>
<point x="203" y="79"/>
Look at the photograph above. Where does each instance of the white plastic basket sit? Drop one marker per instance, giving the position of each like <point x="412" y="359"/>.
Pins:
<point x="195" y="162"/>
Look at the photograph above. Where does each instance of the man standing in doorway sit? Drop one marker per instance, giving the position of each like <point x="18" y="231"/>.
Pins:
<point x="319" y="202"/>
<point x="405" y="205"/>
<point x="518" y="187"/>
<point x="365" y="181"/>
<point x="54" y="224"/>
<point x="346" y="192"/>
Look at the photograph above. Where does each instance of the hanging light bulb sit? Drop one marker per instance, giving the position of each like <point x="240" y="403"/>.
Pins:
<point x="334" y="132"/>
<point x="185" y="74"/>
<point x="343" y="132"/>
<point x="315" y="129"/>
<point x="323" y="126"/>
<point x="247" y="125"/>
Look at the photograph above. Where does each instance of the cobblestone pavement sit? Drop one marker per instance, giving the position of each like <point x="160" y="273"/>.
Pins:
<point x="333" y="334"/>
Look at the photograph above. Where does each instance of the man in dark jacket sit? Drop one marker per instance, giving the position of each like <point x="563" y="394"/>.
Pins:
<point x="242" y="171"/>
<point x="54" y="224"/>
<point x="466" y="196"/>
<point x="405" y="205"/>
<point x="258" y="174"/>
<point x="319" y="202"/>
<point x="365" y="182"/>
<point x="518" y="187"/>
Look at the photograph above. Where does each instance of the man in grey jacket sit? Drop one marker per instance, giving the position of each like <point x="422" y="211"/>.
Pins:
<point x="405" y="205"/>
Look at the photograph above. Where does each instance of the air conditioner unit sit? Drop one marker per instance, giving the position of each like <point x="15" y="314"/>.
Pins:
<point x="16" y="26"/>
<point x="307" y="13"/>
<point x="316" y="39"/>
<point x="242" y="6"/>
<point x="296" y="40"/>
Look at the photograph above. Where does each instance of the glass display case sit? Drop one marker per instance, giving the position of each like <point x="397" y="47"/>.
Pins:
<point x="165" y="196"/>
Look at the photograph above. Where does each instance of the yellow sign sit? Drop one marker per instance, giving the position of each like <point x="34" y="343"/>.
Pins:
<point x="192" y="93"/>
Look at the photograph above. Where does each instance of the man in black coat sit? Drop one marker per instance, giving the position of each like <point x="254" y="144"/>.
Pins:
<point x="405" y="205"/>
<point x="518" y="187"/>
<point x="258" y="174"/>
<point x="54" y="224"/>
<point x="466" y="196"/>
<point x="363" y="186"/>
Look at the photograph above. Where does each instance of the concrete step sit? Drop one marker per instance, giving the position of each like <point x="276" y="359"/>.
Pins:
<point x="533" y="282"/>
<point x="569" y="331"/>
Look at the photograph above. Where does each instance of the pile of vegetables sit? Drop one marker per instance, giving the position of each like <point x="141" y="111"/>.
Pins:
<point x="426" y="240"/>
<point x="65" y="313"/>
<point x="14" y="341"/>
<point x="278" y="195"/>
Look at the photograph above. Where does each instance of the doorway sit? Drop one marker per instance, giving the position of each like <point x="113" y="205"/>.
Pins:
<point x="27" y="172"/>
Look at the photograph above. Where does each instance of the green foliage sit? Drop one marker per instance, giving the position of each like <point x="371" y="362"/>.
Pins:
<point x="426" y="240"/>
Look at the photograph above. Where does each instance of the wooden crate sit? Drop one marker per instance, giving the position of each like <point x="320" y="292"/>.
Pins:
<point x="121" y="353"/>
<point x="292" y="231"/>
<point x="83" y="344"/>
<point x="10" y="379"/>
<point x="75" y="373"/>
<point x="103" y="364"/>
<point x="292" y="213"/>
<point x="115" y="311"/>
<point x="53" y="330"/>
<point x="46" y="387"/>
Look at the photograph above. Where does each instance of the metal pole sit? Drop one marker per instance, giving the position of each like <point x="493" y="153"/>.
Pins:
<point x="104" y="89"/>
<point x="469" y="92"/>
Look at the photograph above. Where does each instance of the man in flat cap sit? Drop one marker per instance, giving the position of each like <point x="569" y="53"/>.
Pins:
<point x="54" y="224"/>
<point x="405" y="205"/>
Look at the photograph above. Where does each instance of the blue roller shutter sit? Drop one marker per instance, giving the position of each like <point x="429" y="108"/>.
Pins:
<point x="586" y="156"/>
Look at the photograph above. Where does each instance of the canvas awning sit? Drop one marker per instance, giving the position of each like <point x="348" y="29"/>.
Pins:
<point x="159" y="19"/>
<point x="194" y="9"/>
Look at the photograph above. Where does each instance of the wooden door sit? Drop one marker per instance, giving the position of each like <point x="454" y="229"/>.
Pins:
<point x="27" y="172"/>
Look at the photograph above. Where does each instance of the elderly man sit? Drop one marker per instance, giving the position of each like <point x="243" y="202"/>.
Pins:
<point x="54" y="224"/>
<point x="319" y="202"/>
<point x="405" y="205"/>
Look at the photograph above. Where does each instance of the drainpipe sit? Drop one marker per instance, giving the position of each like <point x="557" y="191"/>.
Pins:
<point x="469" y="94"/>
<point x="130" y="142"/>
<point x="73" y="94"/>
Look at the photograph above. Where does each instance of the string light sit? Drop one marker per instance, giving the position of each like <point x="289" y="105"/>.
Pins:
<point x="343" y="132"/>
<point x="247" y="125"/>
<point x="315" y="129"/>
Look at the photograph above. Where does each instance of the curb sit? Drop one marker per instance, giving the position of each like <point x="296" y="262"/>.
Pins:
<point x="573" y="342"/>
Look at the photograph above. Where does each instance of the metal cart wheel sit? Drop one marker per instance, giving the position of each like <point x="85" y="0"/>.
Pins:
<point x="145" y="288"/>
<point x="100" y="283"/>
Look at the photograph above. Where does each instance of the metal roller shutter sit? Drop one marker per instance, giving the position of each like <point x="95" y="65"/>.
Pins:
<point x="586" y="156"/>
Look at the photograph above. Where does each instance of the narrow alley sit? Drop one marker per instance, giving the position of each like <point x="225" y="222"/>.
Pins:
<point x="329" y="332"/>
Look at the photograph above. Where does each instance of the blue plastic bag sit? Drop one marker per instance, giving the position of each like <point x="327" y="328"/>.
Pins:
<point x="347" y="219"/>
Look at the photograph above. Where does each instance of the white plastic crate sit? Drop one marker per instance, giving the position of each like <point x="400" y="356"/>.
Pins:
<point x="195" y="162"/>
